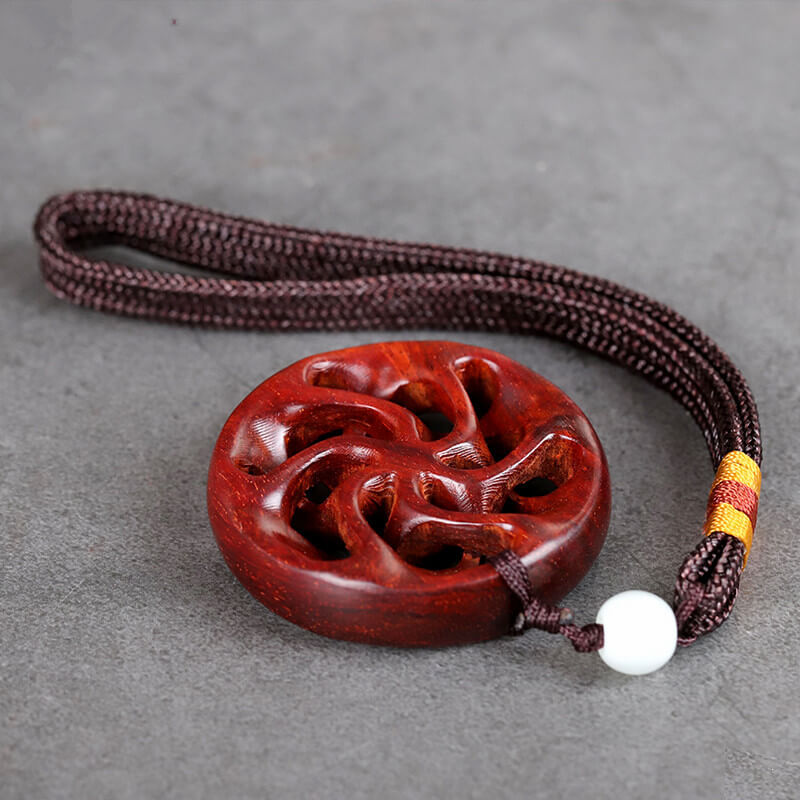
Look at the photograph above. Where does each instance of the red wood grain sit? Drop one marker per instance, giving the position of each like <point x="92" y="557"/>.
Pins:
<point x="358" y="492"/>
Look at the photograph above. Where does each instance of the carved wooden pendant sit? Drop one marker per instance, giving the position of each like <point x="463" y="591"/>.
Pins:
<point x="358" y="493"/>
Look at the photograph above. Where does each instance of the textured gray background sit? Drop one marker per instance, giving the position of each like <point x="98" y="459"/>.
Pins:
<point x="654" y="143"/>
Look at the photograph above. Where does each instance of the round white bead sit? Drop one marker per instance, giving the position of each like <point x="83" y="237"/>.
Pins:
<point x="640" y="633"/>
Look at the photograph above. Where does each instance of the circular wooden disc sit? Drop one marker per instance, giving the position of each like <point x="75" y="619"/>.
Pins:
<point x="358" y="493"/>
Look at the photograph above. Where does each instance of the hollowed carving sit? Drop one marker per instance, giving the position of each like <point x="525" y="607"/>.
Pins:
<point x="359" y="493"/>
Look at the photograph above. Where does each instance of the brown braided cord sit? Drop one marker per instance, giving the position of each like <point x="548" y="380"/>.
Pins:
<point x="285" y="278"/>
<point x="536" y="614"/>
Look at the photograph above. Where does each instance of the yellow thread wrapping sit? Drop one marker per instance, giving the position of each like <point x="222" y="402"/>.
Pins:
<point x="726" y="519"/>
<point x="738" y="466"/>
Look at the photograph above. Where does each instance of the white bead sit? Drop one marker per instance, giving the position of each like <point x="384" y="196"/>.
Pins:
<point x="640" y="633"/>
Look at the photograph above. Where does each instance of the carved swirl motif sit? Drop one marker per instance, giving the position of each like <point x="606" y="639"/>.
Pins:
<point x="359" y="492"/>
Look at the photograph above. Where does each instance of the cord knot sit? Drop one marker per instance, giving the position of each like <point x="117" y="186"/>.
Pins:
<point x="538" y="614"/>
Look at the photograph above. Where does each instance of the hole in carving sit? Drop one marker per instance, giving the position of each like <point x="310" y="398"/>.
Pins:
<point x="250" y="469"/>
<point x="510" y="507"/>
<point x="480" y="384"/>
<point x="538" y="486"/>
<point x="480" y="399"/>
<point x="418" y="397"/>
<point x="330" y="435"/>
<point x="318" y="493"/>
<point x="448" y="557"/>
<point x="378" y="516"/>
<point x="377" y="504"/>
<point x="436" y="422"/>
<point x="553" y="468"/>
<point x="315" y="518"/>
<point x="307" y="521"/>
<point x="497" y="449"/>
<point x="501" y="445"/>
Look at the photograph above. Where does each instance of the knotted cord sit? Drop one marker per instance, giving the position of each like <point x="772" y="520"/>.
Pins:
<point x="279" y="277"/>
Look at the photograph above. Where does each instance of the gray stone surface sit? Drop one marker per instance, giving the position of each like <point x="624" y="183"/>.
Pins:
<point x="653" y="143"/>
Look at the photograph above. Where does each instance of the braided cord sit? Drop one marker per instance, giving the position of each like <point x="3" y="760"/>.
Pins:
<point x="285" y="278"/>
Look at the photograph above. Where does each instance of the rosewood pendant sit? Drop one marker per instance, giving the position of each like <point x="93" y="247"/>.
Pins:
<point x="358" y="493"/>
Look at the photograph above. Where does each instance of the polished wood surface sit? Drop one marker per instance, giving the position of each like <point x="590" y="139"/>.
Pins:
<point x="358" y="492"/>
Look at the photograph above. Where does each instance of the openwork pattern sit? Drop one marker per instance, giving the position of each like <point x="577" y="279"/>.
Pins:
<point x="360" y="492"/>
<point x="278" y="277"/>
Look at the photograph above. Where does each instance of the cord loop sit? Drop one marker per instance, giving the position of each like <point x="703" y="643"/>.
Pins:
<point x="278" y="277"/>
